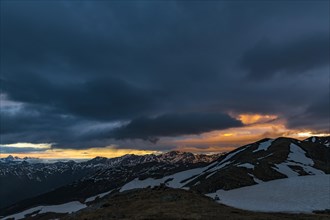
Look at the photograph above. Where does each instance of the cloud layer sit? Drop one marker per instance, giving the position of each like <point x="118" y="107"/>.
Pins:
<point x="91" y="74"/>
<point x="174" y="125"/>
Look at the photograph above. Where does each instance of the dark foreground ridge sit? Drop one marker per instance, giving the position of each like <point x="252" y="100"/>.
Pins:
<point x="163" y="203"/>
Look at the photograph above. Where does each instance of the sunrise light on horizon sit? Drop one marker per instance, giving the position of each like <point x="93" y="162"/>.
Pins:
<point x="256" y="127"/>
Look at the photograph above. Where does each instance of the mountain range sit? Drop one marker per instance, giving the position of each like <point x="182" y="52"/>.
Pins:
<point x="87" y="182"/>
<point x="38" y="178"/>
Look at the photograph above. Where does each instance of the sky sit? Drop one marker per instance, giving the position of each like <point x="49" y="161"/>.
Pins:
<point x="95" y="78"/>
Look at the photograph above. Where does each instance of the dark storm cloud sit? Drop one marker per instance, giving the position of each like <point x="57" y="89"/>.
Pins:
<point x="34" y="125"/>
<point x="28" y="124"/>
<point x="174" y="125"/>
<point x="78" y="68"/>
<point x="101" y="98"/>
<point x="12" y="150"/>
<point x="315" y="116"/>
<point x="40" y="126"/>
<point x="296" y="57"/>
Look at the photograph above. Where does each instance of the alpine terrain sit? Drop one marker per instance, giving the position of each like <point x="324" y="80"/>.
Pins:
<point x="294" y="173"/>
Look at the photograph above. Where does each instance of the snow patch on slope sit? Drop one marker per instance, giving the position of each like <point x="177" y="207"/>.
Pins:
<point x="255" y="179"/>
<point x="285" y="169"/>
<point x="261" y="158"/>
<point x="246" y="165"/>
<point x="224" y="162"/>
<point x="101" y="195"/>
<point x="62" y="208"/>
<point x="230" y="155"/>
<point x="218" y="167"/>
<point x="303" y="194"/>
<point x="297" y="157"/>
<point x="264" y="146"/>
<point x="175" y="180"/>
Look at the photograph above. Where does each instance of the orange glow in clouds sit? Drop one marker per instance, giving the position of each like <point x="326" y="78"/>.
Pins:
<point x="255" y="127"/>
<point x="255" y="118"/>
<point x="81" y="153"/>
